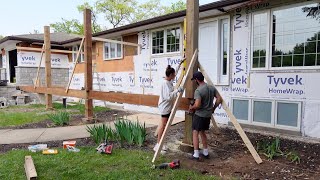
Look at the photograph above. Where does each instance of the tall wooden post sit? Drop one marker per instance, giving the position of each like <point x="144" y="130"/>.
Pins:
<point x="47" y="44"/>
<point x="88" y="64"/>
<point x="192" y="44"/>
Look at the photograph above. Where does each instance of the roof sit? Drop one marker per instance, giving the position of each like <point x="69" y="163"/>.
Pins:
<point x="56" y="38"/>
<point x="61" y="38"/>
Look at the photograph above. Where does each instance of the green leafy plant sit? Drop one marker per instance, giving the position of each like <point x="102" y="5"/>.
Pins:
<point x="293" y="157"/>
<point x="270" y="150"/>
<point x="100" y="133"/>
<point x="139" y="133"/>
<point x="132" y="133"/>
<point x="60" y="118"/>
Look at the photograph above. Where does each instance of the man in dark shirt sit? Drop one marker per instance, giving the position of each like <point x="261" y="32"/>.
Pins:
<point x="203" y="109"/>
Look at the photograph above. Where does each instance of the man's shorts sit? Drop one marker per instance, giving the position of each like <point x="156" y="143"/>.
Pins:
<point x="200" y="123"/>
<point x="165" y="115"/>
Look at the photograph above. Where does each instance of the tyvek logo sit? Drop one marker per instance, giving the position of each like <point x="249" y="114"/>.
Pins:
<point x="145" y="80"/>
<point x="151" y="64"/>
<point x="173" y="61"/>
<point x="116" y="79"/>
<point x="285" y="81"/>
<point x="238" y="23"/>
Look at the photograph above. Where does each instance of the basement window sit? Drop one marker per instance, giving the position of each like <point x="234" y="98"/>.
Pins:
<point x="113" y="51"/>
<point x="166" y="40"/>
<point x="74" y="54"/>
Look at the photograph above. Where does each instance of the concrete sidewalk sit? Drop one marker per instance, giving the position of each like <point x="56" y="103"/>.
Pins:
<point x="15" y="136"/>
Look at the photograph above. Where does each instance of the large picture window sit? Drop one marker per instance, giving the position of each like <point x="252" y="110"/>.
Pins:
<point x="113" y="50"/>
<point x="166" y="41"/>
<point x="295" y="38"/>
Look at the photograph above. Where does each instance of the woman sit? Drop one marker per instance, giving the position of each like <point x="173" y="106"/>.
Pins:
<point x="166" y="100"/>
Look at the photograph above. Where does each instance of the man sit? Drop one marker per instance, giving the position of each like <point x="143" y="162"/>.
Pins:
<point x="203" y="109"/>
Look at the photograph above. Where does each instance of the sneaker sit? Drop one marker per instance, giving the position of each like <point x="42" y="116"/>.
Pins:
<point x="194" y="158"/>
<point x="164" y="148"/>
<point x="156" y="148"/>
<point x="205" y="156"/>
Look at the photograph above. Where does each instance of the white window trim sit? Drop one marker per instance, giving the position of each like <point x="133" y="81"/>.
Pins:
<point x="249" y="109"/>
<point x="299" y="115"/>
<point x="115" y="58"/>
<point x="268" y="41"/>
<point x="164" y="29"/>
<point x="220" y="50"/>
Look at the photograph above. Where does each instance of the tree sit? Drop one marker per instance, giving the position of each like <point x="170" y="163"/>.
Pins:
<point x="95" y="26"/>
<point x="1" y="37"/>
<point x="175" y="7"/>
<point x="312" y="11"/>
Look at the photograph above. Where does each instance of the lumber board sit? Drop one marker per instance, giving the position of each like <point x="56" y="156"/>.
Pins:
<point x="74" y="65"/>
<point x="175" y="106"/>
<point x="115" y="41"/>
<point x="236" y="124"/>
<point x="137" y="99"/>
<point x="39" y="66"/>
<point x="52" y="50"/>
<point x="29" y="168"/>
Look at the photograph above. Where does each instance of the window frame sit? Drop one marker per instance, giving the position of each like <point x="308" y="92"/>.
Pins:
<point x="272" y="123"/>
<point x="221" y="55"/>
<point x="249" y="109"/>
<point x="268" y="40"/>
<point x="164" y="29"/>
<point x="76" y="48"/>
<point x="115" y="58"/>
<point x="298" y="119"/>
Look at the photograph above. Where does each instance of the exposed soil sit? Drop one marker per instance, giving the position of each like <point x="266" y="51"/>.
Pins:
<point x="229" y="157"/>
<point x="75" y="120"/>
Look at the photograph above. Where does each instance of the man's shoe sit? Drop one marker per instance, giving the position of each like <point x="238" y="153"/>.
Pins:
<point x="205" y="156"/>
<point x="194" y="158"/>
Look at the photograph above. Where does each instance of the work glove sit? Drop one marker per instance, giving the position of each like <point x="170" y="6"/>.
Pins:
<point x="180" y="89"/>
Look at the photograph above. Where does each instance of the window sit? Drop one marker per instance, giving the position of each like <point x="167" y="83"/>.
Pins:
<point x="166" y="41"/>
<point x="262" y="111"/>
<point x="113" y="50"/>
<point x="260" y="29"/>
<point x="74" y="54"/>
<point x="241" y="109"/>
<point x="269" y="113"/>
<point x="287" y="114"/>
<point x="295" y="38"/>
<point x="224" y="45"/>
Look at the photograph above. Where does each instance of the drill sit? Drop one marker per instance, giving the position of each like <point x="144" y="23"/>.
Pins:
<point x="172" y="165"/>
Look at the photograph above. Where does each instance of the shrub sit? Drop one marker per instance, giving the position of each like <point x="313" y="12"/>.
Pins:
<point x="101" y="133"/>
<point x="60" y="118"/>
<point x="132" y="133"/>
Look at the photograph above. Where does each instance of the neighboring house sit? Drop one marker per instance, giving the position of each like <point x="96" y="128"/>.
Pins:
<point x="263" y="56"/>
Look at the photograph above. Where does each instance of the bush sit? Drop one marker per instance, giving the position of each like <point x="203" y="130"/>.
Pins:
<point x="101" y="133"/>
<point x="60" y="118"/>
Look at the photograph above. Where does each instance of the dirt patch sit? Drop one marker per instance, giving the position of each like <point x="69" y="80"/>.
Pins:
<point x="75" y="120"/>
<point x="229" y="157"/>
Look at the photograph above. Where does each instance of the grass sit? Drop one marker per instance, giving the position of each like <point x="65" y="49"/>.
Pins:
<point x="87" y="164"/>
<point x="19" y="115"/>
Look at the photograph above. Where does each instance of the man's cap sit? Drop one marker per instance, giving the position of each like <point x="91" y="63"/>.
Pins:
<point x="197" y="75"/>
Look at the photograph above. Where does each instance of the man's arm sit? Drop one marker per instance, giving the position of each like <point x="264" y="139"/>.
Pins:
<point x="218" y="101"/>
<point x="195" y="106"/>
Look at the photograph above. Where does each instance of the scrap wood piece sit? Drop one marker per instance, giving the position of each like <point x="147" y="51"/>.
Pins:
<point x="236" y="124"/>
<point x="175" y="106"/>
<point x="37" y="81"/>
<point x="30" y="169"/>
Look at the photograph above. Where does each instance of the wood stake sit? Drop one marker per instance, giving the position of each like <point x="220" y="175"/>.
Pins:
<point x="39" y="66"/>
<point x="236" y="124"/>
<point x="29" y="168"/>
<point x="74" y="65"/>
<point x="175" y="106"/>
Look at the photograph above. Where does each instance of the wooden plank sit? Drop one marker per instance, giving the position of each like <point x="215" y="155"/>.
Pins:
<point x="75" y="65"/>
<point x="115" y="41"/>
<point x="52" y="50"/>
<point x="175" y="106"/>
<point x="236" y="124"/>
<point x="47" y="46"/>
<point x="88" y="80"/>
<point x="36" y="83"/>
<point x="29" y="168"/>
<point x="137" y="99"/>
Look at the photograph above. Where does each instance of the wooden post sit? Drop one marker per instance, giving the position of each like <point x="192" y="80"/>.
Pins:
<point x="47" y="45"/>
<point x="88" y="64"/>
<point x="192" y="44"/>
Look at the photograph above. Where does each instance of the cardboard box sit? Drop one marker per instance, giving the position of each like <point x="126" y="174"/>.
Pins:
<point x="70" y="143"/>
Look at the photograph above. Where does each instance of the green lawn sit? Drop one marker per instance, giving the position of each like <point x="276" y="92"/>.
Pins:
<point x="19" y="115"/>
<point x="87" y="164"/>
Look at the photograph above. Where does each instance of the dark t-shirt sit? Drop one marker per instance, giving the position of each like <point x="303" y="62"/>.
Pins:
<point x="206" y="93"/>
